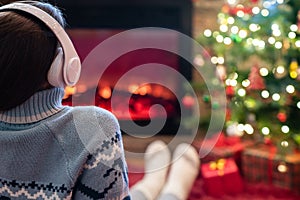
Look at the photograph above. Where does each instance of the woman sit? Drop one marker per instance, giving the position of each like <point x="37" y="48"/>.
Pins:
<point x="50" y="151"/>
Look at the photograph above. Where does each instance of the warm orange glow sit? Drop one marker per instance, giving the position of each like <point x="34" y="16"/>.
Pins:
<point x="105" y="92"/>
<point x="158" y="91"/>
<point x="69" y="91"/>
<point x="133" y="88"/>
<point x="145" y="89"/>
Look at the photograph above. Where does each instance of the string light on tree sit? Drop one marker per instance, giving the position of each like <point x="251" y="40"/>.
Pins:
<point x="232" y="2"/>
<point x="292" y="35"/>
<point x="234" y="29"/>
<point x="280" y="1"/>
<point x="220" y="60"/>
<point x="285" y="129"/>
<point x="298" y="104"/>
<point x="290" y="89"/>
<point x="230" y="20"/>
<point x="279" y="72"/>
<point x="246" y="83"/>
<point x="243" y="34"/>
<point x="265" y="131"/>
<point x="248" y="129"/>
<point x="227" y="41"/>
<point x="293" y="69"/>
<point x="240" y="127"/>
<point x="278" y="45"/>
<point x="255" y="10"/>
<point x="271" y="40"/>
<point x="224" y="28"/>
<point x="264" y="71"/>
<point x="264" y="79"/>
<point x="297" y="43"/>
<point x="241" y="92"/>
<point x="254" y="27"/>
<point x="265" y="12"/>
<point x="284" y="143"/>
<point x="276" y="97"/>
<point x="275" y="30"/>
<point x="294" y="28"/>
<point x="207" y="33"/>
<point x="214" y="60"/>
<point x="219" y="38"/>
<point x="265" y="94"/>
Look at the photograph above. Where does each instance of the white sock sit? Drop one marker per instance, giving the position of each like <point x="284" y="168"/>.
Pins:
<point x="183" y="172"/>
<point x="157" y="160"/>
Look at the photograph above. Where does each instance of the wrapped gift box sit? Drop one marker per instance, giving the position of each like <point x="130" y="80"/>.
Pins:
<point x="221" y="177"/>
<point x="221" y="146"/>
<point x="262" y="163"/>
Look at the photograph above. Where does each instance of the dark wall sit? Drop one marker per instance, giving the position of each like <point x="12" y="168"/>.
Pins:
<point x="127" y="14"/>
<point x="173" y="14"/>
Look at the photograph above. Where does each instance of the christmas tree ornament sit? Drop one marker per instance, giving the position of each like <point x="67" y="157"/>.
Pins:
<point x="256" y="80"/>
<point x="236" y="38"/>
<point x="259" y="56"/>
<point x="281" y="116"/>
<point x="267" y="140"/>
<point x="206" y="98"/>
<point x="230" y="91"/>
<point x="294" y="69"/>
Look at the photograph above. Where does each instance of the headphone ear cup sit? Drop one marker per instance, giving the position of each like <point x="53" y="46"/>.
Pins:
<point x="55" y="73"/>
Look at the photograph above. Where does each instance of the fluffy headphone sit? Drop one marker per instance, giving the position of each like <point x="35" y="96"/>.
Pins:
<point x="65" y="68"/>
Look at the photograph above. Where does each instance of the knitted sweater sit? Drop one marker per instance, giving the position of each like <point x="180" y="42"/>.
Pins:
<point x="50" y="151"/>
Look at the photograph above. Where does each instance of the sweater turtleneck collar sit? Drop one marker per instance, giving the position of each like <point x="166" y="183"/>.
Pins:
<point x="41" y="105"/>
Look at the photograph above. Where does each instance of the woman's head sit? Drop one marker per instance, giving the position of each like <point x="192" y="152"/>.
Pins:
<point x="27" y="49"/>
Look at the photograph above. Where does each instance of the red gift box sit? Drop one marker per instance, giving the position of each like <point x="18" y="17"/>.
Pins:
<point x="262" y="163"/>
<point x="221" y="146"/>
<point x="221" y="177"/>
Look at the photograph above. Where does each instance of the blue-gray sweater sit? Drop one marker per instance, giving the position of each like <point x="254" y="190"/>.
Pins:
<point x="50" y="151"/>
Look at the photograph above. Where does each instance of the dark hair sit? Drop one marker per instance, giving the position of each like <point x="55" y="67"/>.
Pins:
<point x="27" y="49"/>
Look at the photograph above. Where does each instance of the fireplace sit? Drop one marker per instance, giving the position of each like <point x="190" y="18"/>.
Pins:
<point x="93" y="21"/>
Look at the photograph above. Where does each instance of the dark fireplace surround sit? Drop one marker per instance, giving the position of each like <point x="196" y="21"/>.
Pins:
<point x="119" y="15"/>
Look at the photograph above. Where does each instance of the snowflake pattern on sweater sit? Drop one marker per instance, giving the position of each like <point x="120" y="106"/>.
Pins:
<point x="12" y="189"/>
<point x="43" y="155"/>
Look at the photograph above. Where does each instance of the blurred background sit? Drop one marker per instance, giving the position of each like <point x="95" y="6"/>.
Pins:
<point x="252" y="48"/>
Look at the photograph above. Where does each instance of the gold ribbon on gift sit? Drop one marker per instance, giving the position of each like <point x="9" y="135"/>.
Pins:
<point x="218" y="165"/>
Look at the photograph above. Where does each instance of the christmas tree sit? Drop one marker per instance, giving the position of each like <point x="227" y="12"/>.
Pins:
<point x="257" y="51"/>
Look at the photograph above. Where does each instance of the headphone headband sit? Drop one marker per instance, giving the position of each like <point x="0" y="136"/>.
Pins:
<point x="71" y="62"/>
